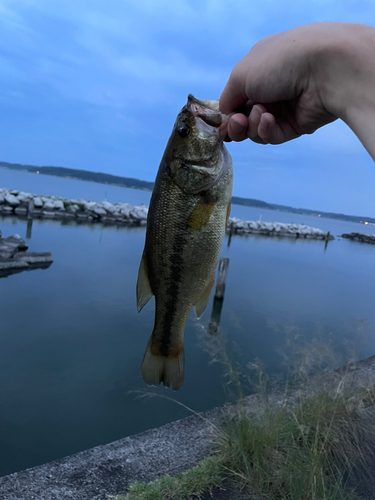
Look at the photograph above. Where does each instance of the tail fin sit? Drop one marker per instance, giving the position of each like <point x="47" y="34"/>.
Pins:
<point x="156" y="368"/>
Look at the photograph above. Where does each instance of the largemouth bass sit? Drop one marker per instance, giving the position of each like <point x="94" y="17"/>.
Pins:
<point x="186" y="224"/>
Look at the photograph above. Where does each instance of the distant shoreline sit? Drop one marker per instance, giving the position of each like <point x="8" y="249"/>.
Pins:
<point x="131" y="183"/>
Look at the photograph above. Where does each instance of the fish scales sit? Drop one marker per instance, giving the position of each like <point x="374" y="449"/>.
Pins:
<point x="185" y="229"/>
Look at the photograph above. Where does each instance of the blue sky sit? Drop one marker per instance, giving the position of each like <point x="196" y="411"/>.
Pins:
<point x="97" y="85"/>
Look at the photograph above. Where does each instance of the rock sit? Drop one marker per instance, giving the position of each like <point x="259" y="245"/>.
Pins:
<point x="138" y="213"/>
<point x="34" y="257"/>
<point x="49" y="205"/>
<point x="36" y="212"/>
<point x="48" y="214"/>
<point x="20" y="210"/>
<point x="125" y="211"/>
<point x="276" y="228"/>
<point x="11" y="200"/>
<point x="2" y="199"/>
<point x="38" y="203"/>
<point x="99" y="211"/>
<point x="7" y="251"/>
<point x="72" y="208"/>
<point x="6" y="209"/>
<point x="15" y="241"/>
<point x="109" y="207"/>
<point x="108" y="220"/>
<point x="90" y="204"/>
<point x="59" y="205"/>
<point x="6" y="264"/>
<point x="363" y="238"/>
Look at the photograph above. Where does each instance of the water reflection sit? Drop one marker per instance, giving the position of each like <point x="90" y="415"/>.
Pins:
<point x="29" y="228"/>
<point x="219" y="295"/>
<point x="69" y="360"/>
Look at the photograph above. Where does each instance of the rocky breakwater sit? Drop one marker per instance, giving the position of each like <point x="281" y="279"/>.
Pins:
<point x="239" y="226"/>
<point x="14" y="257"/>
<point x="363" y="238"/>
<point x="35" y="206"/>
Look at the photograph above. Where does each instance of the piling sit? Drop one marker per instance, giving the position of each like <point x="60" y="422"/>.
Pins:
<point x="219" y="296"/>
<point x="221" y="279"/>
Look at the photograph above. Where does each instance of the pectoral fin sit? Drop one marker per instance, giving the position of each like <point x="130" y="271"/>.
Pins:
<point x="144" y="292"/>
<point x="201" y="214"/>
<point x="201" y="305"/>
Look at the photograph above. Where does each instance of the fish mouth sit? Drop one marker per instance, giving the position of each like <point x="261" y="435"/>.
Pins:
<point x="208" y="111"/>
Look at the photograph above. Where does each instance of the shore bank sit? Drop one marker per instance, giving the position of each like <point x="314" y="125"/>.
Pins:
<point x="109" y="469"/>
<point x="31" y="206"/>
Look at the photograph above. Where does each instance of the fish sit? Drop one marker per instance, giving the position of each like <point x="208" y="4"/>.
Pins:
<point x="186" y="224"/>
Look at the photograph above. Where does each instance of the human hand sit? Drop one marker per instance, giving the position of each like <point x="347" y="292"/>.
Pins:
<point x="295" y="82"/>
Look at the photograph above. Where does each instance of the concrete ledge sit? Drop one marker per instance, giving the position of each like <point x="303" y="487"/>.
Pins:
<point x="107" y="470"/>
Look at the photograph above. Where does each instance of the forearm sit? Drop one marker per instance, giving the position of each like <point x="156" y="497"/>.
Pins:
<point x="347" y="73"/>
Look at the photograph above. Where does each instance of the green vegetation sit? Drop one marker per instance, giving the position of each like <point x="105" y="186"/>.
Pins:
<point x="148" y="186"/>
<point x="308" y="449"/>
<point x="193" y="482"/>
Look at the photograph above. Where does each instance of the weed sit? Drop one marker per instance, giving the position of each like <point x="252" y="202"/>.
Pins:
<point x="309" y="443"/>
<point x="203" y="477"/>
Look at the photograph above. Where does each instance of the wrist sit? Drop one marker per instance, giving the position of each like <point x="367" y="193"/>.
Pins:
<point x="345" y="68"/>
<point x="344" y="63"/>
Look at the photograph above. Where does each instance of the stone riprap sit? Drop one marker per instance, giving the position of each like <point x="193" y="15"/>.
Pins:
<point x="239" y="226"/>
<point x="14" y="258"/>
<point x="363" y="238"/>
<point x="54" y="207"/>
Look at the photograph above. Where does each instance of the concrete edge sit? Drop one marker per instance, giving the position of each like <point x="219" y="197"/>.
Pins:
<point x="108" y="469"/>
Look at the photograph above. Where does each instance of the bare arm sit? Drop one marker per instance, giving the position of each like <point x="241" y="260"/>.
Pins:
<point x="296" y="82"/>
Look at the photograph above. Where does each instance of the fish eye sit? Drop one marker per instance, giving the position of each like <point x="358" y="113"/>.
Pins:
<point x="183" y="130"/>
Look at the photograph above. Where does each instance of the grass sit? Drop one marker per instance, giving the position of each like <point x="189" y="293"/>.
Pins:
<point x="308" y="450"/>
<point x="314" y="445"/>
<point x="203" y="477"/>
<point x="305" y="453"/>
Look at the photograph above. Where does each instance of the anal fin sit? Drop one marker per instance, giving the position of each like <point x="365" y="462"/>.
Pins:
<point x="201" y="305"/>
<point x="144" y="292"/>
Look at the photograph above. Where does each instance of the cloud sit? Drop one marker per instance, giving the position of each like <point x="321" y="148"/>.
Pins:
<point x="106" y="77"/>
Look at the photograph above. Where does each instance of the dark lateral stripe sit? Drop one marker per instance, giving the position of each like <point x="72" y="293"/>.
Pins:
<point x="175" y="279"/>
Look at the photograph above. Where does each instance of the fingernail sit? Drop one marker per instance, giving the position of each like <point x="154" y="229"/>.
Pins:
<point x="264" y="126"/>
<point x="256" y="115"/>
<point x="236" y="126"/>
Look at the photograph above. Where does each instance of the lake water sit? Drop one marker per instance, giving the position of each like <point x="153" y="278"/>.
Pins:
<point x="71" y="340"/>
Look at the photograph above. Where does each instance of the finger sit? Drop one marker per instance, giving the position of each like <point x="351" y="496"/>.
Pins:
<point x="237" y="127"/>
<point x="273" y="131"/>
<point x="254" y="121"/>
<point x="234" y="94"/>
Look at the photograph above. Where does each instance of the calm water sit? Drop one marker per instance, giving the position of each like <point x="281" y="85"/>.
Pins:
<point x="71" y="341"/>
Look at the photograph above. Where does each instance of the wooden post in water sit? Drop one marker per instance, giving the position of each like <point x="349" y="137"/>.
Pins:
<point x="221" y="279"/>
<point x="30" y="209"/>
<point x="219" y="296"/>
<point x="327" y="240"/>
<point x="29" y="228"/>
<point x="30" y="218"/>
<point x="231" y="230"/>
